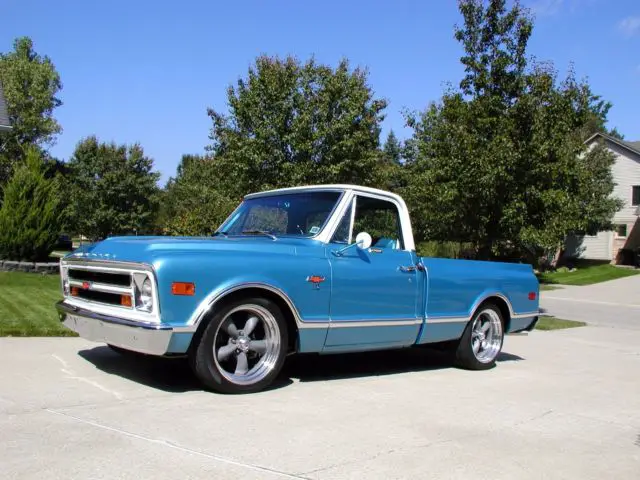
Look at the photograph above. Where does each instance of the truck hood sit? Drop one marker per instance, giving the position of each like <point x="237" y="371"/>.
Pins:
<point x="151" y="249"/>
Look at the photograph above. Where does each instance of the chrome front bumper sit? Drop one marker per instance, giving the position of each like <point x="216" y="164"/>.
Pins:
<point x="140" y="337"/>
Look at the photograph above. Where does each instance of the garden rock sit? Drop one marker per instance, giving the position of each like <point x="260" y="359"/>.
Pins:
<point x="26" y="266"/>
<point x="10" y="265"/>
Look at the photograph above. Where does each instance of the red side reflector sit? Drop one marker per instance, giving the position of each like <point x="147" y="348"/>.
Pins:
<point x="532" y="295"/>
<point x="183" y="288"/>
<point x="125" y="300"/>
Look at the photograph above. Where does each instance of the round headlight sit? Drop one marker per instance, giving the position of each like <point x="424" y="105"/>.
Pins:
<point x="146" y="296"/>
<point x="146" y="288"/>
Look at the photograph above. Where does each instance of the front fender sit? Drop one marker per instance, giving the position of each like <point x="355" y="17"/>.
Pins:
<point x="217" y="275"/>
<point x="239" y="283"/>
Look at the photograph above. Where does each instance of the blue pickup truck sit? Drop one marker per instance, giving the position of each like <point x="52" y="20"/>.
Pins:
<point x="324" y="269"/>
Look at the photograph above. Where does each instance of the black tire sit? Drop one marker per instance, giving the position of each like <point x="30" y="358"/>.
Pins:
<point x="464" y="355"/>
<point x="211" y="374"/>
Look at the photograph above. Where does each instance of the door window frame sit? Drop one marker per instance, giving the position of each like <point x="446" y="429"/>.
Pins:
<point x="403" y="224"/>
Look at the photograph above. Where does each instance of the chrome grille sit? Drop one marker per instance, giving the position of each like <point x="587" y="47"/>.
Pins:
<point x="100" y="286"/>
<point x="110" y="287"/>
<point x="105" y="278"/>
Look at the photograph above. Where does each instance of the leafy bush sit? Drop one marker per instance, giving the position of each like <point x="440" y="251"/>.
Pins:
<point x="32" y="215"/>
<point x="444" y="249"/>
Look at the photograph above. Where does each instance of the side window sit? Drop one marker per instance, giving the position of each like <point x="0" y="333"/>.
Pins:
<point x="342" y="233"/>
<point x="635" y="195"/>
<point x="381" y="220"/>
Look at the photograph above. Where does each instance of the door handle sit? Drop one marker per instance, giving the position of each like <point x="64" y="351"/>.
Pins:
<point x="407" y="269"/>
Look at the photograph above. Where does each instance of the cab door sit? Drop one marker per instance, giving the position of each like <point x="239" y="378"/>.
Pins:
<point x="374" y="291"/>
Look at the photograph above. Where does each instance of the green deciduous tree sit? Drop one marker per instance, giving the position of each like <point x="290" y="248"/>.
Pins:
<point x="193" y="202"/>
<point x="501" y="161"/>
<point x="291" y="123"/>
<point x="32" y="214"/>
<point x="113" y="189"/>
<point x="31" y="84"/>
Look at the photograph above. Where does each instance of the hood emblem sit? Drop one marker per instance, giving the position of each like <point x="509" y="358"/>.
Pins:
<point x="86" y="285"/>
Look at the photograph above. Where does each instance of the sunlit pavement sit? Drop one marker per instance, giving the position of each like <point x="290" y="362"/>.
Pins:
<point x="614" y="304"/>
<point x="563" y="404"/>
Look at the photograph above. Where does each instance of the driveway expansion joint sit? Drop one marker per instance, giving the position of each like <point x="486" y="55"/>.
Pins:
<point x="174" y="446"/>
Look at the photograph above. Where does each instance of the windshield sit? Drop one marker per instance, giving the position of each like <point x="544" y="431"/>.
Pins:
<point x="300" y="214"/>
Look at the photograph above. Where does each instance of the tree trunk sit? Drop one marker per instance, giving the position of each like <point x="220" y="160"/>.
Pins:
<point x="556" y="257"/>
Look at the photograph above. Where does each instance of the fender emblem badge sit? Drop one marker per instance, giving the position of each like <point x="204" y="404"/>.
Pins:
<point x="86" y="285"/>
<point x="316" y="280"/>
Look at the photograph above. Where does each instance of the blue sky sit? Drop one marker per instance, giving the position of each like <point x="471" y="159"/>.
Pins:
<point x="146" y="72"/>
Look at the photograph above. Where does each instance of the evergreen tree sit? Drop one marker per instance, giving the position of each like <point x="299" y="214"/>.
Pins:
<point x="393" y="148"/>
<point x="32" y="214"/>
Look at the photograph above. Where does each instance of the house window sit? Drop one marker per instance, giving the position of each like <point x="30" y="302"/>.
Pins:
<point x="635" y="196"/>
<point x="621" y="230"/>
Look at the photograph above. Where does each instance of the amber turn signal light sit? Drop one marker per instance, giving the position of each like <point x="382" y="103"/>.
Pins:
<point x="183" y="288"/>
<point x="74" y="291"/>
<point x="125" y="301"/>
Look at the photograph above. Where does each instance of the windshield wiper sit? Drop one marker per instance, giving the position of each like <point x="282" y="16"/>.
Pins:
<point x="260" y="232"/>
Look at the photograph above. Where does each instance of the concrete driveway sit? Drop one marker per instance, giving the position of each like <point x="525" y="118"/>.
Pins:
<point x="610" y="304"/>
<point x="562" y="404"/>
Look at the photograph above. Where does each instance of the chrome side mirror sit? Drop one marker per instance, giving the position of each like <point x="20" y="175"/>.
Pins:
<point x="363" y="241"/>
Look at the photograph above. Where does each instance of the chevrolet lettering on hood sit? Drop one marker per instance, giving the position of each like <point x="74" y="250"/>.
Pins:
<point x="104" y="256"/>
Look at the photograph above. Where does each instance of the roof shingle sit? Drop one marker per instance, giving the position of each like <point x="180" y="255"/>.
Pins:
<point x="633" y="146"/>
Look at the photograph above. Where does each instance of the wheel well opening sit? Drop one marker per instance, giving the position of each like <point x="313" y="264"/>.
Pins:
<point x="504" y="310"/>
<point x="292" y="328"/>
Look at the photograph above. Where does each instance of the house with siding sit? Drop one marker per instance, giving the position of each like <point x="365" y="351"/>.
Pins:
<point x="607" y="245"/>
<point x="4" y="115"/>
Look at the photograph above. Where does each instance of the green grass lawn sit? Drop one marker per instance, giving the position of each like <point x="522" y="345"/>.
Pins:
<point x="547" y="288"/>
<point x="587" y="274"/>
<point x="27" y="305"/>
<point x="553" y="323"/>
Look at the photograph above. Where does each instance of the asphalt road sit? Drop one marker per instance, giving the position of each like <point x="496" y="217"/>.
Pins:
<point x="563" y="404"/>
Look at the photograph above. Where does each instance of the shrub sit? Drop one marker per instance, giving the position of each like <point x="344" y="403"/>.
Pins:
<point x="444" y="249"/>
<point x="31" y="215"/>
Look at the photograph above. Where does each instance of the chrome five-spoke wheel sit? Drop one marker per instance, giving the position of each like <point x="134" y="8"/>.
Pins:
<point x="247" y="344"/>
<point x="482" y="340"/>
<point x="243" y="346"/>
<point x="486" y="335"/>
